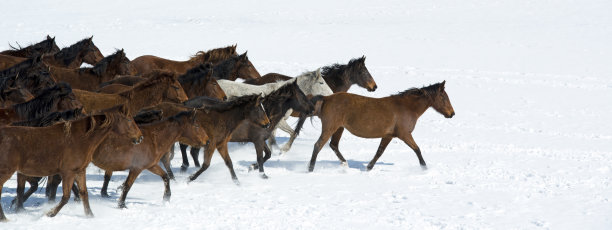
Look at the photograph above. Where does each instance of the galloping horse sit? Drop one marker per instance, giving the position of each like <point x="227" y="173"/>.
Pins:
<point x="69" y="57"/>
<point x="147" y="63"/>
<point x="386" y="118"/>
<point x="89" y="78"/>
<point x="68" y="149"/>
<point x="46" y="46"/>
<point x="31" y="74"/>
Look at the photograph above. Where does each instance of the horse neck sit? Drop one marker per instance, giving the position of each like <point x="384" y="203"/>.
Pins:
<point x="146" y="96"/>
<point x="79" y="129"/>
<point x="164" y="132"/>
<point x="277" y="111"/>
<point x="60" y="57"/>
<point x="338" y="81"/>
<point x="225" y="70"/>
<point x="417" y="104"/>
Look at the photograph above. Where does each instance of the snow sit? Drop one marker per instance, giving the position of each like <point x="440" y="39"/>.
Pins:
<point x="529" y="148"/>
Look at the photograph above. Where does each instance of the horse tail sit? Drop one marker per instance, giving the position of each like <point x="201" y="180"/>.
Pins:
<point x="318" y="102"/>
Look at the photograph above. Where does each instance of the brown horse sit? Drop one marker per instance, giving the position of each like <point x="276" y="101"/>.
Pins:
<point x="339" y="77"/>
<point x="69" y="57"/>
<point x="123" y="80"/>
<point x="31" y="74"/>
<point x="219" y="121"/>
<point x="46" y="46"/>
<point x="386" y="118"/>
<point x="57" y="98"/>
<point x="148" y="63"/>
<point x="199" y="81"/>
<point x="90" y="78"/>
<point x="162" y="87"/>
<point x="68" y="149"/>
<point x="116" y="154"/>
<point x="235" y="67"/>
<point x="14" y="95"/>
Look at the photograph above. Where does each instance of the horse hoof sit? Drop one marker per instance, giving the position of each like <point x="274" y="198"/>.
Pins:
<point x="263" y="176"/>
<point x="50" y="214"/>
<point x="184" y="168"/>
<point x="77" y="199"/>
<point x="369" y="168"/>
<point x="89" y="215"/>
<point x="105" y="195"/>
<point x="344" y="164"/>
<point x="424" y="167"/>
<point x="236" y="182"/>
<point x="122" y="206"/>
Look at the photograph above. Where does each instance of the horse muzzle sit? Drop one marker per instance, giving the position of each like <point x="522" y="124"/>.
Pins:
<point x="451" y="115"/>
<point x="373" y="88"/>
<point x="138" y="140"/>
<point x="266" y="126"/>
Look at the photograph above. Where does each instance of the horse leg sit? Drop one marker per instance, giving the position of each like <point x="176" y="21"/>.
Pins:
<point x="160" y="172"/>
<point x="185" y="164"/>
<point x="334" y="144"/>
<point x="381" y="148"/>
<point x="33" y="181"/>
<point x="412" y="144"/>
<point x="194" y="155"/>
<point x="259" y="147"/>
<point x="208" y="152"/>
<point x="272" y="138"/>
<point x="107" y="176"/>
<point x="76" y="192"/>
<point x="21" y="180"/>
<point x="127" y="185"/>
<point x="68" y="180"/>
<point x="52" y="184"/>
<point x="83" y="193"/>
<point x="3" y="178"/>
<point x="282" y="124"/>
<point x="165" y="160"/>
<point x="265" y="158"/>
<point x="325" y="135"/>
<point x="228" y="161"/>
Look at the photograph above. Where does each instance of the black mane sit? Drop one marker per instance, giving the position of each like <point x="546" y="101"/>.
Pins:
<point x="69" y="54"/>
<point x="40" y="105"/>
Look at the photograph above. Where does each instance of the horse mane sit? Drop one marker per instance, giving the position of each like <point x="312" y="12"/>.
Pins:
<point x="426" y="91"/>
<point x="43" y="47"/>
<point x="68" y="54"/>
<point x="158" y="76"/>
<point x="20" y="67"/>
<point x="338" y="70"/>
<point x="218" y="105"/>
<point x="51" y="118"/>
<point x="279" y="95"/>
<point x="40" y="105"/>
<point x="102" y="65"/>
<point x="223" y="69"/>
<point x="148" y="116"/>
<point x="196" y="75"/>
<point x="214" y="54"/>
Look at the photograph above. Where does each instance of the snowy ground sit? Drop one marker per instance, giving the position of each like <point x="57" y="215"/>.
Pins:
<point x="529" y="148"/>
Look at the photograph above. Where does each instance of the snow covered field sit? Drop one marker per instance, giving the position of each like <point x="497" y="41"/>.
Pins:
<point x="529" y="148"/>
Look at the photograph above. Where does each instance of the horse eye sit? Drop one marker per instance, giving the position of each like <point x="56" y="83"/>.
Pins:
<point x="321" y="83"/>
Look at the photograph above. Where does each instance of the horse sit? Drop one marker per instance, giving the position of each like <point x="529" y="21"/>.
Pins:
<point x="46" y="46"/>
<point x="148" y="63"/>
<point x="161" y="87"/>
<point x="57" y="98"/>
<point x="237" y="66"/>
<point x="14" y="95"/>
<point x="89" y="78"/>
<point x="74" y="55"/>
<point x="31" y="74"/>
<point x="199" y="81"/>
<point x="161" y="136"/>
<point x="276" y="104"/>
<point x="386" y="118"/>
<point x="219" y="120"/>
<point x="338" y="77"/>
<point x="68" y="149"/>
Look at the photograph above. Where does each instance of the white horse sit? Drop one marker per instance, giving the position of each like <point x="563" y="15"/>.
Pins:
<point x="309" y="82"/>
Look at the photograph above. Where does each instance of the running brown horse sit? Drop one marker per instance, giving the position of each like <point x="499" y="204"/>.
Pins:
<point x="199" y="81"/>
<point x="69" y="57"/>
<point x="162" y="87"/>
<point x="14" y="95"/>
<point x="386" y="118"/>
<point x="148" y="63"/>
<point x="219" y="120"/>
<point x="46" y="46"/>
<point x="235" y="67"/>
<point x="57" y="98"/>
<point x="89" y="78"/>
<point x="116" y="154"/>
<point x="68" y="149"/>
<point x="31" y="74"/>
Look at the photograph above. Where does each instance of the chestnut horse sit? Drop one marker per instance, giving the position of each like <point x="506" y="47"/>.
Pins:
<point x="69" y="57"/>
<point x="235" y="67"/>
<point x="116" y="154"/>
<point x="386" y="118"/>
<point x="219" y="121"/>
<point x="46" y="46"/>
<point x="31" y="74"/>
<point x="57" y="98"/>
<point x="89" y="78"/>
<point x="162" y="87"/>
<point x="148" y="63"/>
<point x="68" y="149"/>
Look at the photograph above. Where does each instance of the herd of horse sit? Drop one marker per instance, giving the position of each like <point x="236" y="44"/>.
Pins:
<point x="56" y="117"/>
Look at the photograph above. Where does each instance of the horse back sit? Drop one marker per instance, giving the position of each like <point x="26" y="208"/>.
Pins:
<point x="147" y="63"/>
<point x="268" y="78"/>
<point x="95" y="102"/>
<point x="7" y="61"/>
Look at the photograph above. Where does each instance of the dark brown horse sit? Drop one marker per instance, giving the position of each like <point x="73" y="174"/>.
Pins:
<point x="148" y="63"/>
<point x="116" y="154"/>
<point x="199" y="81"/>
<point x="31" y="74"/>
<point x="220" y="120"/>
<point x="339" y="77"/>
<point x="89" y="78"/>
<point x="46" y="46"/>
<point x="237" y="66"/>
<point x="57" y="98"/>
<point x="14" y="95"/>
<point x="68" y="149"/>
<point x="162" y="87"/>
<point x="386" y="118"/>
<point x="74" y="55"/>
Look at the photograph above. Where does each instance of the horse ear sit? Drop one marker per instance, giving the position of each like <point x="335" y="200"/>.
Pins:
<point x="319" y="73"/>
<point x="442" y="86"/>
<point x="48" y="37"/>
<point x="244" y="55"/>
